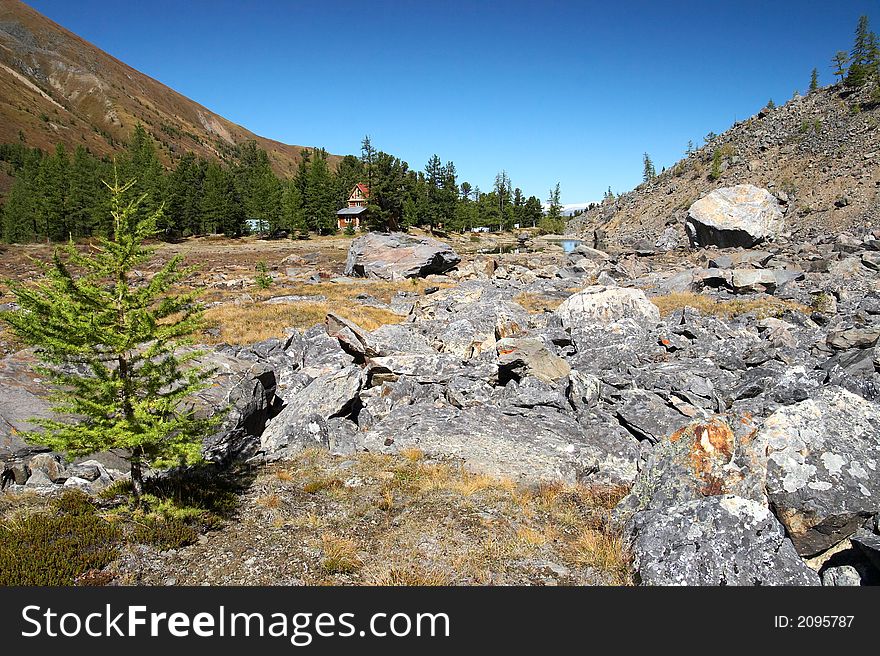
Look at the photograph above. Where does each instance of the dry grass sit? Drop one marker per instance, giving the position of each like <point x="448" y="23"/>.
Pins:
<point x="254" y="322"/>
<point x="536" y="303"/>
<point x="284" y="476"/>
<point x="270" y="501"/>
<point x="762" y="308"/>
<point x="413" y="576"/>
<point x="251" y="320"/>
<point x="340" y="554"/>
<point x="422" y="521"/>
<point x="429" y="522"/>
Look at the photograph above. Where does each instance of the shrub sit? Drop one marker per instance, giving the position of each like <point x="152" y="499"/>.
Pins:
<point x="263" y="280"/>
<point x="164" y="532"/>
<point x="74" y="502"/>
<point x="54" y="549"/>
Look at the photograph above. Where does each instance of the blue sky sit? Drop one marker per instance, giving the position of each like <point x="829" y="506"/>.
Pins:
<point x="568" y="92"/>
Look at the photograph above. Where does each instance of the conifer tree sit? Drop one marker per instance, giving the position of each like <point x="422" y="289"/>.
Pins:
<point x="865" y="55"/>
<point x="109" y="344"/>
<point x="841" y="59"/>
<point x="648" y="171"/>
<point x="553" y="222"/>
<point x="814" y="80"/>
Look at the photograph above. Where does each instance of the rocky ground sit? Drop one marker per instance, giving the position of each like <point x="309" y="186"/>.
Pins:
<point x="733" y="391"/>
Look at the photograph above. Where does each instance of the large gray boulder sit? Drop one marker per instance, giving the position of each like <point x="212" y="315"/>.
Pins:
<point x="599" y="305"/>
<point x="717" y="540"/>
<point x="244" y="391"/>
<point x="823" y="456"/>
<point x="22" y="397"/>
<point x="743" y="215"/>
<point x="528" y="445"/>
<point x="397" y="255"/>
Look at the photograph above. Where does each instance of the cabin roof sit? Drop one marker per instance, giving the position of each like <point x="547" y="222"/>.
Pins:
<point x="351" y="210"/>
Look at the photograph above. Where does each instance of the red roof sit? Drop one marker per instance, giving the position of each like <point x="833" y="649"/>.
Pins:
<point x="364" y="189"/>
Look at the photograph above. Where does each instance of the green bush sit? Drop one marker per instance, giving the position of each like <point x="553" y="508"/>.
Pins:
<point x="54" y="549"/>
<point x="74" y="502"/>
<point x="164" y="533"/>
<point x="263" y="280"/>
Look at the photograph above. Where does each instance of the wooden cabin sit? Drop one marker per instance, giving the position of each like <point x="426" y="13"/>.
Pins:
<point x="351" y="216"/>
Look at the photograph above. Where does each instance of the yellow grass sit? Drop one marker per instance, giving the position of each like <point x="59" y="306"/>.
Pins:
<point x="269" y="501"/>
<point x="605" y="550"/>
<point x="340" y="554"/>
<point x="411" y="576"/>
<point x="536" y="303"/>
<point x="249" y="321"/>
<point x="704" y="304"/>
<point x="487" y="525"/>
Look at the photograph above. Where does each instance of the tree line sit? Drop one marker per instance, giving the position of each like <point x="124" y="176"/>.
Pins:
<point x="60" y="195"/>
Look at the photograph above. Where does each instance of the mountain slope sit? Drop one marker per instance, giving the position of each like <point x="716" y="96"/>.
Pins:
<point x="820" y="154"/>
<point x="56" y="87"/>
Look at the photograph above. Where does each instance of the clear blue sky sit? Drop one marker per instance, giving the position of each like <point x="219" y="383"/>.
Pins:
<point x="551" y="91"/>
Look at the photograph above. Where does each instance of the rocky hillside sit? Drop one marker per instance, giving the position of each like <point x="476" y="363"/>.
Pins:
<point x="818" y="154"/>
<point x="56" y="87"/>
<point x="729" y="396"/>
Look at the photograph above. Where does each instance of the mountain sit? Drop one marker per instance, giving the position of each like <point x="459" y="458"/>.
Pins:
<point x="56" y="87"/>
<point x="819" y="154"/>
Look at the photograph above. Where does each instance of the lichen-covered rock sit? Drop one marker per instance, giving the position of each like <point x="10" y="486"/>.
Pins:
<point x="823" y="456"/>
<point x="397" y="255"/>
<point x="743" y="215"/>
<point x="717" y="540"/>
<point x="708" y="457"/>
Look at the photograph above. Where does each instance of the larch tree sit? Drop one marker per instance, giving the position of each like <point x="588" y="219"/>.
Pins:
<point x="110" y="344"/>
<point x="840" y="61"/>
<point x="865" y="56"/>
<point x="648" y="170"/>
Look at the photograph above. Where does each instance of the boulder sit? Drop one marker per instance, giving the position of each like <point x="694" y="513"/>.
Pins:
<point x="600" y="305"/>
<point x="860" y="338"/>
<point x="528" y="445"/>
<point x="647" y="416"/>
<point x="822" y="459"/>
<point x="288" y="434"/>
<point x="22" y="397"/>
<point x="519" y="357"/>
<point x="743" y="215"/>
<point x="718" y="540"/>
<point x="397" y="255"/>
<point x="705" y="458"/>
<point x="50" y="464"/>
<point x="244" y="391"/>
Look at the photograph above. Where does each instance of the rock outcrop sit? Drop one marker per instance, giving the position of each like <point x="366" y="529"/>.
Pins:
<point x="398" y="255"/>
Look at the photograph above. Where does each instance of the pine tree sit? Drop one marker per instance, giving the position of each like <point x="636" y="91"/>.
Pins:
<point x="864" y="57"/>
<point x="20" y="208"/>
<point x="141" y="163"/>
<point x="84" y="196"/>
<point x="648" y="171"/>
<point x="109" y="345"/>
<point x="292" y="217"/>
<point x="368" y="158"/>
<point x="841" y="59"/>
<point x="553" y="223"/>
<point x="814" y="80"/>
<point x="51" y="188"/>
<point x="221" y="207"/>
